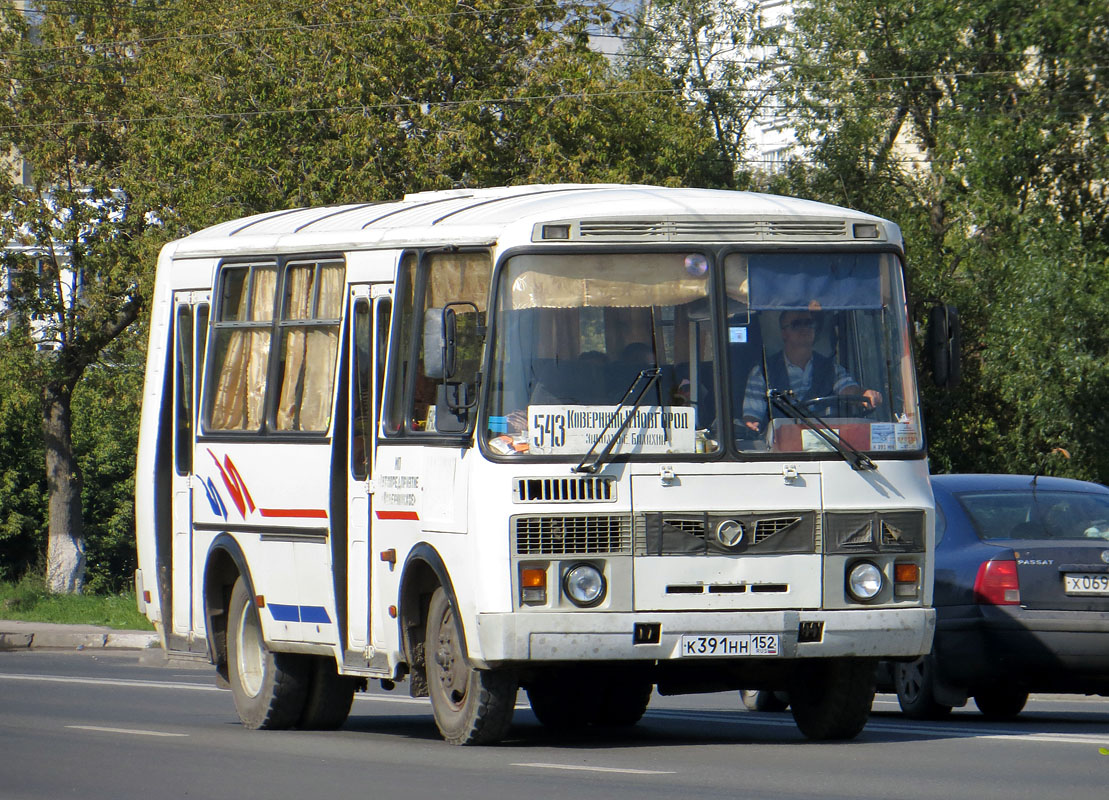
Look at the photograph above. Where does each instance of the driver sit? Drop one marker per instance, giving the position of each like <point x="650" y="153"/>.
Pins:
<point x="798" y="367"/>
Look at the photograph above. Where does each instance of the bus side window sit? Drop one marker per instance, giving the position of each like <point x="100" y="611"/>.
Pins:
<point x="371" y="344"/>
<point x="183" y="380"/>
<point x="361" y="404"/>
<point x="434" y="281"/>
<point x="241" y="336"/>
<point x="309" y="340"/>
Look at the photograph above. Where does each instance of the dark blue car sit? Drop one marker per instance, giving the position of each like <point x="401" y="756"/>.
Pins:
<point x="1021" y="595"/>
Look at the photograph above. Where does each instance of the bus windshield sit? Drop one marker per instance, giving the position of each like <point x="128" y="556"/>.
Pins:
<point x="578" y="336"/>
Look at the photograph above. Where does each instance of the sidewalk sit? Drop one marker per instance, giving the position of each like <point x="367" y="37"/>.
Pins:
<point x="19" y="635"/>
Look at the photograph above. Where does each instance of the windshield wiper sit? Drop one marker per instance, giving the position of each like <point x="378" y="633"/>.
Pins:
<point x="650" y="376"/>
<point x="785" y="401"/>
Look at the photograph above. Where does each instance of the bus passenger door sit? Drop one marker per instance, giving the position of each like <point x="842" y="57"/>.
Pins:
<point x="371" y="307"/>
<point x="190" y="323"/>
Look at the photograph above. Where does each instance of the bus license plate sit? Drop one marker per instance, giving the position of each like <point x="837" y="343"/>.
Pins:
<point x="731" y="644"/>
<point x="1086" y="583"/>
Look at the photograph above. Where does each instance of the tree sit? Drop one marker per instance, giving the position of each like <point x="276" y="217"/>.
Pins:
<point x="983" y="129"/>
<point x="290" y="104"/>
<point x="75" y="242"/>
<point x="714" y="54"/>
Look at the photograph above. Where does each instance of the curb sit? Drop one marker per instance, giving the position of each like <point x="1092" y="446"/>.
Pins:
<point x="122" y="640"/>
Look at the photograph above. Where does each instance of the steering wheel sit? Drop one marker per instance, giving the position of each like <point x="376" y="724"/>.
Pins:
<point x="857" y="401"/>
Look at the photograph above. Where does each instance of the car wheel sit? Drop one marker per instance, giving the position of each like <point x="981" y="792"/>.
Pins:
<point x="764" y="701"/>
<point x="1001" y="703"/>
<point x="913" y="681"/>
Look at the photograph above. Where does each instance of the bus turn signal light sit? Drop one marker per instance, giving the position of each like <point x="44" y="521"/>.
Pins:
<point x="906" y="579"/>
<point x="533" y="585"/>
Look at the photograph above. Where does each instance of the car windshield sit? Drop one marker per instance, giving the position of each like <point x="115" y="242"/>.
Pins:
<point x="1043" y="515"/>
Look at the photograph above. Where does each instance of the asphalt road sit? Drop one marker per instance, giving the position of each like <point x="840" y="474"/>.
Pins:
<point x="107" y="725"/>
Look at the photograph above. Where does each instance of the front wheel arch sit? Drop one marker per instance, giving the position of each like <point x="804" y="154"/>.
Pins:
<point x="423" y="572"/>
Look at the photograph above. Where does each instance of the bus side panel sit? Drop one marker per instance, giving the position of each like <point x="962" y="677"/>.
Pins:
<point x="274" y="498"/>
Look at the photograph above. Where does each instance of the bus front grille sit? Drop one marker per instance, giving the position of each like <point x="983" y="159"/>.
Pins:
<point x="591" y="489"/>
<point x="578" y="534"/>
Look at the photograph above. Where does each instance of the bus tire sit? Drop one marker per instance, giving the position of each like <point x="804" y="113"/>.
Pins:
<point x="914" y="682"/>
<point x="330" y="696"/>
<point x="268" y="688"/>
<point x="623" y="704"/>
<point x="470" y="706"/>
<point x="831" y="697"/>
<point x="562" y="701"/>
<point x="1001" y="702"/>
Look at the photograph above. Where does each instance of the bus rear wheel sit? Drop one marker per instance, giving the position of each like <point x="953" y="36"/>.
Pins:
<point x="470" y="706"/>
<point x="329" y="697"/>
<point x="831" y="697"/>
<point x="268" y="688"/>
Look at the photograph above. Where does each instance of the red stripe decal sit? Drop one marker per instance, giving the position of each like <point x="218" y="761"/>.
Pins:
<point x="397" y="515"/>
<point x="303" y="513"/>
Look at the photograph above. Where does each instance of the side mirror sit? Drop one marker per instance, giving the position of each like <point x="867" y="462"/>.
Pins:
<point x="439" y="349"/>
<point x="945" y="346"/>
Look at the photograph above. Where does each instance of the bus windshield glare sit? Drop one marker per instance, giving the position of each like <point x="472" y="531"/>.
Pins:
<point x="574" y="333"/>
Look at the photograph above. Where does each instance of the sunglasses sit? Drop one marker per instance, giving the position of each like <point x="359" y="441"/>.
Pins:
<point x="801" y="324"/>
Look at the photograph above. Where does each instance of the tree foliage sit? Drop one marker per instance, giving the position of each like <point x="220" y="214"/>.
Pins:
<point x="291" y="104"/>
<point x="981" y="128"/>
<point x="75" y="253"/>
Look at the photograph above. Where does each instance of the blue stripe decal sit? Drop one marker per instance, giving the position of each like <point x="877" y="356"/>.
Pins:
<point x="284" y="613"/>
<point x="316" y="614"/>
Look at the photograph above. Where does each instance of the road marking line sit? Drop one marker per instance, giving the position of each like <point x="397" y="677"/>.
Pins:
<point x="130" y="731"/>
<point x="952" y="732"/>
<point x="200" y="687"/>
<point x="597" y="769"/>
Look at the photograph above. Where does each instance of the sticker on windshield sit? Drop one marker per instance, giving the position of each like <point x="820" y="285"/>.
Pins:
<point x="893" y="436"/>
<point x="575" y="429"/>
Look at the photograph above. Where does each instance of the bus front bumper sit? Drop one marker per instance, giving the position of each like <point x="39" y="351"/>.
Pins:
<point x="585" y="636"/>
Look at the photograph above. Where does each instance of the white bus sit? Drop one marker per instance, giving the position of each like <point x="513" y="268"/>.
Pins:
<point x="549" y="438"/>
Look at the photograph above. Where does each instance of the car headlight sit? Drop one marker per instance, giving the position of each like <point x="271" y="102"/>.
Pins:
<point x="864" y="581"/>
<point x="585" y="585"/>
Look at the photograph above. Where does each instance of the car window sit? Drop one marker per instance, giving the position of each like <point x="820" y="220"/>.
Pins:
<point x="941" y="523"/>
<point x="1037" y="514"/>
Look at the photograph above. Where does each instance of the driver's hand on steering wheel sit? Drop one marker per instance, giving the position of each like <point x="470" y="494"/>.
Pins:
<point x="873" y="398"/>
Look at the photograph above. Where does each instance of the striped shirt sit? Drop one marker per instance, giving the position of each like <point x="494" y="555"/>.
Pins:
<point x="800" y="381"/>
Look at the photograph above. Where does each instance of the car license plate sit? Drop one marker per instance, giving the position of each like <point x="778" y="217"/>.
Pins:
<point x="731" y="644"/>
<point x="1086" y="583"/>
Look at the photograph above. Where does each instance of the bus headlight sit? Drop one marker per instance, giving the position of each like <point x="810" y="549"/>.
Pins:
<point x="585" y="585"/>
<point x="864" y="581"/>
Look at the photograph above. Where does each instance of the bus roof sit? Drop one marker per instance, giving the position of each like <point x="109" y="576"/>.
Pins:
<point x="596" y="213"/>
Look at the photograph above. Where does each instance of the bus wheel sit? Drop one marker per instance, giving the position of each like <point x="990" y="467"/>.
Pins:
<point x="563" y="701"/>
<point x="471" y="706"/>
<point x="268" y="688"/>
<point x="1001" y="702"/>
<point x="831" y="697"/>
<point x="914" y="682"/>
<point x="623" y="704"/>
<point x="329" y="699"/>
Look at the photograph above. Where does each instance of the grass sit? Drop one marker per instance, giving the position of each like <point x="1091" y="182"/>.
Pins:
<point x="28" y="600"/>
